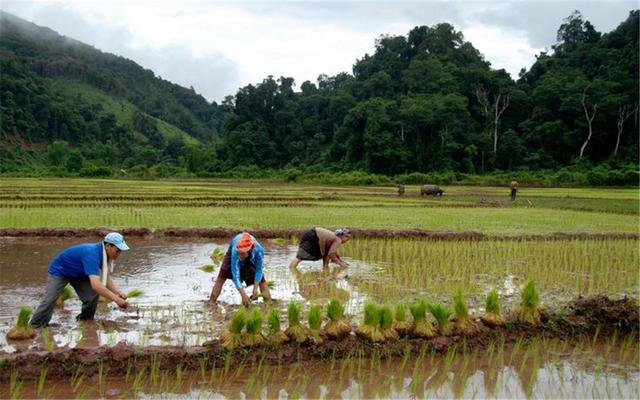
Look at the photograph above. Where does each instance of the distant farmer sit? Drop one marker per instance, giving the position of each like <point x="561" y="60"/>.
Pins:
<point x="400" y="190"/>
<point x="243" y="262"/>
<point x="431" y="190"/>
<point x="82" y="266"/>
<point x="514" y="189"/>
<point x="320" y="243"/>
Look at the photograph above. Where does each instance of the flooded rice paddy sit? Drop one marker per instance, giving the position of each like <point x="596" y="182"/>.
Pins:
<point x="174" y="311"/>
<point x="538" y="368"/>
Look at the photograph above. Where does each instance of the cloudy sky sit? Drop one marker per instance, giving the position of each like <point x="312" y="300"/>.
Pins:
<point x="220" y="46"/>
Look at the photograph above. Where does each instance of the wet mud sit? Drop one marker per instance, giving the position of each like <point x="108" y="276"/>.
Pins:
<point x="582" y="316"/>
<point x="288" y="233"/>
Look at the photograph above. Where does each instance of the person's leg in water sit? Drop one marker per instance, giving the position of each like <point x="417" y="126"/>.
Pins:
<point x="89" y="298"/>
<point x="43" y="313"/>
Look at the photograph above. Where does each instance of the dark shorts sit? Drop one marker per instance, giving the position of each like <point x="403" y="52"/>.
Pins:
<point x="247" y="271"/>
<point x="309" y="247"/>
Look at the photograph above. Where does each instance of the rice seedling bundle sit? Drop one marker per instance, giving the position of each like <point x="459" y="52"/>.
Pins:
<point x="528" y="312"/>
<point x="463" y="325"/>
<point x="371" y="327"/>
<point x="385" y="315"/>
<point x="421" y="327"/>
<point x="22" y="330"/>
<point x="276" y="336"/>
<point x="492" y="315"/>
<point x="401" y="325"/>
<point x="217" y="255"/>
<point x="336" y="326"/>
<point x="441" y="315"/>
<point x="253" y="329"/>
<point x="134" y="293"/>
<point x="295" y="330"/>
<point x="315" y="323"/>
<point x="232" y="337"/>
<point x="64" y="295"/>
<point x="208" y="267"/>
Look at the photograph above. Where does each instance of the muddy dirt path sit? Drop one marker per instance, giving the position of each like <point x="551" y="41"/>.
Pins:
<point x="288" y="233"/>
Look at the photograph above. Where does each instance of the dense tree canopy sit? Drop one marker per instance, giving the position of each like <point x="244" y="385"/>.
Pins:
<point x="427" y="101"/>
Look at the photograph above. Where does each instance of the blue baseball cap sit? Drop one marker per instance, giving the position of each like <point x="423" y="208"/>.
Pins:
<point x="117" y="240"/>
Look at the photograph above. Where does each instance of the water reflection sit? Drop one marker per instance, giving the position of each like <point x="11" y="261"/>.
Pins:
<point x="560" y="369"/>
<point x="174" y="307"/>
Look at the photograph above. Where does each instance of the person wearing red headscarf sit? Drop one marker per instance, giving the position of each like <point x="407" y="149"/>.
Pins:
<point x="242" y="262"/>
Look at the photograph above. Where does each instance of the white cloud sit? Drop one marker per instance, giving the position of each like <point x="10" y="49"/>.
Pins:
<point x="218" y="47"/>
<point x="504" y="48"/>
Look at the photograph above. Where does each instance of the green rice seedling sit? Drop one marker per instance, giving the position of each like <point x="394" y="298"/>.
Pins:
<point x="492" y="315"/>
<point x="276" y="336"/>
<point x="315" y="323"/>
<point x="253" y="334"/>
<point x="15" y="386"/>
<point x="134" y="293"/>
<point x="217" y="255"/>
<point x="441" y="315"/>
<point x="528" y="311"/>
<point x="42" y="378"/>
<point x="22" y="330"/>
<point x="280" y="241"/>
<point x="463" y="324"/>
<point x="295" y="330"/>
<point x="64" y="296"/>
<point x="208" y="267"/>
<point x="370" y="329"/>
<point x="232" y="338"/>
<point x="401" y="325"/>
<point x="385" y="315"/>
<point x="270" y="285"/>
<point x="336" y="326"/>
<point x="421" y="326"/>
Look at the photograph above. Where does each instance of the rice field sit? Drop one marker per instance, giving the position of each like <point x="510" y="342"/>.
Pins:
<point x="32" y="203"/>
<point x="431" y="278"/>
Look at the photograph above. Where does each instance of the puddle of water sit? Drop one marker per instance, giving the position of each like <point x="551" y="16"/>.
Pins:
<point x="564" y="369"/>
<point x="173" y="309"/>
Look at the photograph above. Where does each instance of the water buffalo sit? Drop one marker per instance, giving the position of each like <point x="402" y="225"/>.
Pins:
<point x="431" y="190"/>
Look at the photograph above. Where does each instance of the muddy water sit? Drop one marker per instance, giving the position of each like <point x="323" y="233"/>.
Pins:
<point x="532" y="369"/>
<point x="173" y="309"/>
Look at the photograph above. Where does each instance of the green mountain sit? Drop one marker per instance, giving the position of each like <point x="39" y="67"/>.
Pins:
<point x="422" y="103"/>
<point x="108" y="108"/>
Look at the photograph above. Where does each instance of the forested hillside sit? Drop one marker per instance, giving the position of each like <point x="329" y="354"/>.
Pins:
<point x="79" y="107"/>
<point x="421" y="103"/>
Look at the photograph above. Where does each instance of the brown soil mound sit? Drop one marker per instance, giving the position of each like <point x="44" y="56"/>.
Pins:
<point x="581" y="316"/>
<point x="71" y="232"/>
<point x="286" y="233"/>
<point x="621" y="314"/>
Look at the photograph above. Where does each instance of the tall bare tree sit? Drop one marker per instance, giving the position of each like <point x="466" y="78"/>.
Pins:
<point x="493" y="109"/>
<point x="589" y="118"/>
<point x="624" y="112"/>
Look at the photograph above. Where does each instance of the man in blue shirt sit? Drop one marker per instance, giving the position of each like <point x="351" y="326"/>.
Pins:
<point x="80" y="266"/>
<point x="243" y="262"/>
